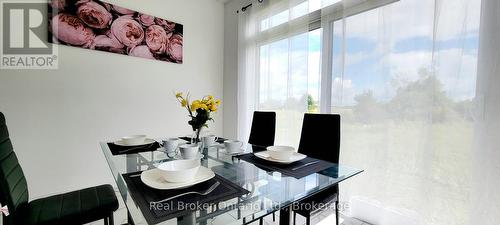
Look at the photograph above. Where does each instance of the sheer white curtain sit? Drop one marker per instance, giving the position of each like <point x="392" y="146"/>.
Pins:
<point x="280" y="61"/>
<point x="403" y="77"/>
<point x="485" y="206"/>
<point x="273" y="65"/>
<point x="247" y="55"/>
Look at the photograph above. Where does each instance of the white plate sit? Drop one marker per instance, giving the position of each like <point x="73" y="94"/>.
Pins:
<point x="153" y="179"/>
<point x="146" y="142"/>
<point x="243" y="151"/>
<point x="295" y="157"/>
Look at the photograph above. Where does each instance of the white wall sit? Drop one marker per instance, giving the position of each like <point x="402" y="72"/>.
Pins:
<point x="57" y="117"/>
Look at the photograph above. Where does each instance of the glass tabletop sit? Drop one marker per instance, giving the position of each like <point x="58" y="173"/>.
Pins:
<point x="269" y="191"/>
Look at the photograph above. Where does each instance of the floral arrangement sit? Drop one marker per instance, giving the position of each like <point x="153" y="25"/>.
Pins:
<point x="98" y="25"/>
<point x="199" y="110"/>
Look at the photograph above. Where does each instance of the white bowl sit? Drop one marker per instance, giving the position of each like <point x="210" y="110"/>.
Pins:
<point x="179" y="171"/>
<point x="134" y="139"/>
<point x="280" y="152"/>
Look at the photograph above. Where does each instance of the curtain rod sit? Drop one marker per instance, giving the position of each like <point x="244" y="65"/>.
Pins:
<point x="244" y="8"/>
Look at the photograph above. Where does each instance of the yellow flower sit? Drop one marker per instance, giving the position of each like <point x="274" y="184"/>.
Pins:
<point x="203" y="106"/>
<point x="195" y="105"/>
<point x="207" y="103"/>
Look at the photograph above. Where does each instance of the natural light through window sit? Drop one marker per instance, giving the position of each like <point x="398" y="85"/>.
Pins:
<point x="289" y="81"/>
<point x="405" y="91"/>
<point x="402" y="75"/>
<point x="295" y="12"/>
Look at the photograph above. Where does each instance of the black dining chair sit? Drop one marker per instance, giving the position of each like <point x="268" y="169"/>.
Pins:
<point x="77" y="207"/>
<point x="263" y="129"/>
<point x="262" y="134"/>
<point x="320" y="138"/>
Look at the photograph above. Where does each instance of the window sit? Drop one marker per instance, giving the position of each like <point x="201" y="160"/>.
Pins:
<point x="404" y="85"/>
<point x="289" y="81"/>
<point x="293" y="12"/>
<point x="289" y="46"/>
<point x="403" y="78"/>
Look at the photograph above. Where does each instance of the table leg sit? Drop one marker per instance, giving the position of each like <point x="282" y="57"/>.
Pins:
<point x="129" y="218"/>
<point x="132" y="166"/>
<point x="188" y="219"/>
<point x="238" y="210"/>
<point x="286" y="215"/>
<point x="132" y="163"/>
<point x="203" y="213"/>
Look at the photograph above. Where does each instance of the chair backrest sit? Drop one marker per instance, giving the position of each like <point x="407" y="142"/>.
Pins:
<point x="320" y="137"/>
<point x="263" y="128"/>
<point x="13" y="186"/>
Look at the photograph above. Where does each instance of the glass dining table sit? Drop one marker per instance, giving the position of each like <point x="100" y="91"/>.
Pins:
<point x="268" y="191"/>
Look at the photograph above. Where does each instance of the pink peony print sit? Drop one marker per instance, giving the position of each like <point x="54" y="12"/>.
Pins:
<point x="146" y="19"/>
<point x="156" y="38"/>
<point x="141" y="51"/>
<point x="107" y="6"/>
<point x="105" y="27"/>
<point x="58" y="4"/>
<point x="72" y="30"/>
<point x="167" y="25"/>
<point x="128" y="31"/>
<point x="175" y="47"/>
<point x="122" y="10"/>
<point x="93" y="14"/>
<point x="110" y="42"/>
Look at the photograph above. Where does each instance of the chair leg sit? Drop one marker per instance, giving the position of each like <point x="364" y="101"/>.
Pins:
<point x="261" y="221"/>
<point x="308" y="220"/>
<point x="111" y="219"/>
<point x="337" y="212"/>
<point x="106" y="221"/>
<point x="294" y="217"/>
<point x="274" y="216"/>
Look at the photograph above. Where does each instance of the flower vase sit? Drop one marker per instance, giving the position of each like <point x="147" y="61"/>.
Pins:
<point x="196" y="138"/>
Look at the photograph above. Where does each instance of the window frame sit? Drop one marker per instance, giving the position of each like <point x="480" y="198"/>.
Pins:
<point x="321" y="18"/>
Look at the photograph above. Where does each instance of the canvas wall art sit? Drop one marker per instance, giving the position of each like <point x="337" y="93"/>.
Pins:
<point x="93" y="24"/>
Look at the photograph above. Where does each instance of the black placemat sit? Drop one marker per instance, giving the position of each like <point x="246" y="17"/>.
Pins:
<point x="119" y="150"/>
<point x="188" y="139"/>
<point x="258" y="148"/>
<point x="220" y="140"/>
<point x="286" y="169"/>
<point x="143" y="195"/>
